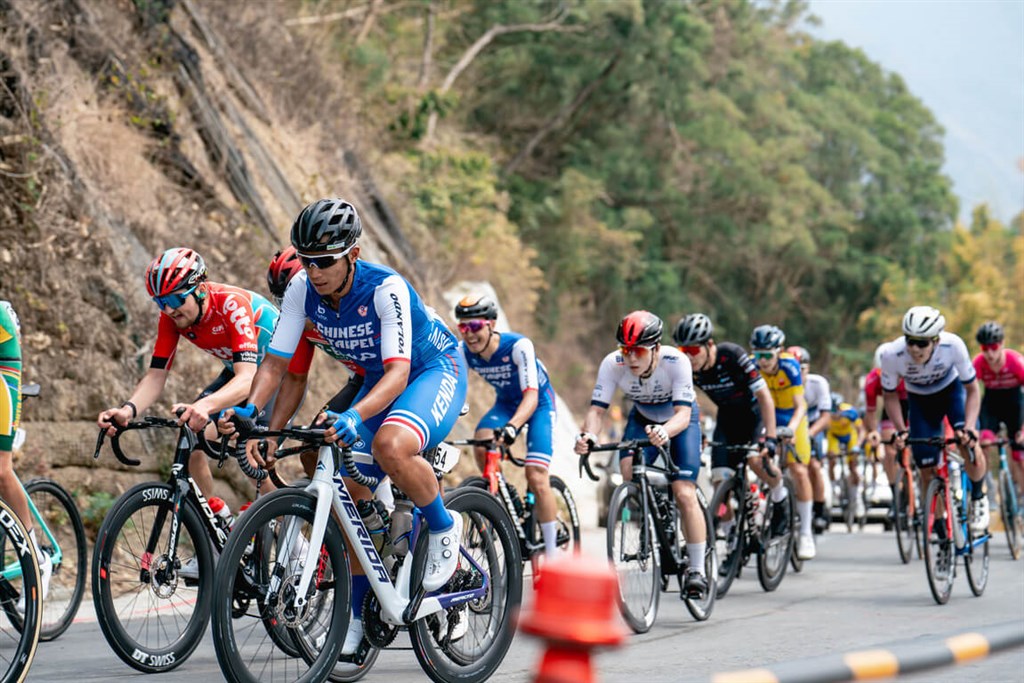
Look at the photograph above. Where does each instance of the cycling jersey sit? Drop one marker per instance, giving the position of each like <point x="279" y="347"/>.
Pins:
<point x="873" y="390"/>
<point x="949" y="360"/>
<point x="311" y="340"/>
<point x="733" y="378"/>
<point x="818" y="394"/>
<point x="513" y="369"/>
<point x="844" y="429"/>
<point x="235" y="327"/>
<point x="1003" y="402"/>
<point x="655" y="397"/>
<point x="10" y="370"/>
<point x="1010" y="376"/>
<point x="785" y="385"/>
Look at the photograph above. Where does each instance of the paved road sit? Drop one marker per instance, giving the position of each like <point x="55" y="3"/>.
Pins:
<point x="855" y="596"/>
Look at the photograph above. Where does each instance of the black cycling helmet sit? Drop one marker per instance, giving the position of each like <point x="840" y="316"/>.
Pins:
<point x="476" y="306"/>
<point x="990" y="333"/>
<point x="326" y="225"/>
<point x="639" y="328"/>
<point x="693" y="330"/>
<point x="767" y="337"/>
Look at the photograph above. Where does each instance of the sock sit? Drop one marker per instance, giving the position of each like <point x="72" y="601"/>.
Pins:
<point x="803" y="508"/>
<point x="695" y="553"/>
<point x="360" y="586"/>
<point x="550" y="532"/>
<point x="819" y="508"/>
<point x="438" y="517"/>
<point x="978" y="489"/>
<point x="779" y="493"/>
<point x="40" y="555"/>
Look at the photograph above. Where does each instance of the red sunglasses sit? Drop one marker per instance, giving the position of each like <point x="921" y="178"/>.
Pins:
<point x="691" y="350"/>
<point x="472" y="325"/>
<point x="991" y="347"/>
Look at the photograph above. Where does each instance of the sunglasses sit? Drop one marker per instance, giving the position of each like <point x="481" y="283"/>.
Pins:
<point x="472" y="326"/>
<point x="638" y="351"/>
<point x="322" y="262"/>
<point x="691" y="350"/>
<point x="919" y="343"/>
<point x="173" y="300"/>
<point x="763" y="355"/>
<point x="991" y="347"/>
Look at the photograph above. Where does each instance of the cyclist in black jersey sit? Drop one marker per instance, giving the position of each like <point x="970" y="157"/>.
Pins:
<point x="727" y="375"/>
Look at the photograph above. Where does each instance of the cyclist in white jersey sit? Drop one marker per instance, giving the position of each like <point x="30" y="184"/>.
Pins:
<point x="818" y="394"/>
<point x="941" y="383"/>
<point x="659" y="381"/>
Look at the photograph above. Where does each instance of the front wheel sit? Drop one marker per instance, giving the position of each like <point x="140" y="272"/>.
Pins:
<point x="905" y="534"/>
<point x="1012" y="522"/>
<point x="701" y="608"/>
<point x="729" y="527"/>
<point x="776" y="551"/>
<point x="489" y="553"/>
<point x="152" y="616"/>
<point x="62" y="536"/>
<point x="976" y="561"/>
<point x="939" y="555"/>
<point x="632" y="549"/>
<point x="20" y="599"/>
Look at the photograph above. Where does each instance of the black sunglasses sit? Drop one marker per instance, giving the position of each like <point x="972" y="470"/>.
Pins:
<point x="919" y="343"/>
<point x="320" y="262"/>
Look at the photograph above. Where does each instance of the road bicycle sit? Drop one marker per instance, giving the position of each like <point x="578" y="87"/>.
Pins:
<point x="20" y="598"/>
<point x="521" y="509"/>
<point x="948" y="533"/>
<point x="61" y="535"/>
<point x="907" y="507"/>
<point x="459" y="633"/>
<point x="1009" y="510"/>
<point x="153" y="563"/>
<point x="742" y="520"/>
<point x="844" y="497"/>
<point x="787" y="450"/>
<point x="646" y="540"/>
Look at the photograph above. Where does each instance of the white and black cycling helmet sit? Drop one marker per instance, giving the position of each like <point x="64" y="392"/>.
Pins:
<point x="326" y="225"/>
<point x="693" y="330"/>
<point x="990" y="333"/>
<point x="476" y="306"/>
<point x="639" y="328"/>
<point x="923" y="322"/>
<point x="767" y="337"/>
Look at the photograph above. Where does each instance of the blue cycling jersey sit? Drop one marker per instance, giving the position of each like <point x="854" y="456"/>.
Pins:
<point x="512" y="370"/>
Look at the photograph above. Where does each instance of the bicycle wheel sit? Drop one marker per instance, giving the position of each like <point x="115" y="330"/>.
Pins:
<point x="20" y="599"/>
<point x="251" y="595"/>
<point x="701" y="609"/>
<point x="489" y="552"/>
<point x="567" y="524"/>
<point x="631" y="549"/>
<point x="976" y="561"/>
<point x="152" y="617"/>
<point x="939" y="555"/>
<point x="726" y="505"/>
<point x="794" y="560"/>
<point x="1012" y="522"/>
<point x="776" y="552"/>
<point x="904" y="525"/>
<point x="68" y="552"/>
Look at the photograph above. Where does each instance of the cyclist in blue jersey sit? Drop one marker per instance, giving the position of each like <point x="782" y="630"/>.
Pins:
<point x="524" y="398"/>
<point x="415" y="378"/>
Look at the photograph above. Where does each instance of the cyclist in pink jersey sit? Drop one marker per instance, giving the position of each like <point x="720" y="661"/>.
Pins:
<point x="1001" y="370"/>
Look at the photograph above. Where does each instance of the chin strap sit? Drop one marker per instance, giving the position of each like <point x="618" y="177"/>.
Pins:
<point x="348" y="276"/>
<point x="199" y="302"/>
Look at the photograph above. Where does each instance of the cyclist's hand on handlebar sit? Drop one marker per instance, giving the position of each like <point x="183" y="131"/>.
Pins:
<point x="506" y="434"/>
<point x="657" y="434"/>
<point x="584" y="440"/>
<point x="245" y="414"/>
<point x="874" y="438"/>
<point x="195" y="415"/>
<point x="345" y="427"/>
<point x="967" y="438"/>
<point x="264" y="459"/>
<point x="771" y="445"/>
<point x="899" y="439"/>
<point x="111" y="419"/>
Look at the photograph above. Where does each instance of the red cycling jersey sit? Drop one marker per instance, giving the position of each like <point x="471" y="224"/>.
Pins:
<point x="873" y="389"/>
<point x="1010" y="376"/>
<point x="234" y="328"/>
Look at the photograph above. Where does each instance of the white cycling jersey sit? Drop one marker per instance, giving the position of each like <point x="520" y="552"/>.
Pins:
<point x="655" y="397"/>
<point x="819" y="396"/>
<point x="949" y="360"/>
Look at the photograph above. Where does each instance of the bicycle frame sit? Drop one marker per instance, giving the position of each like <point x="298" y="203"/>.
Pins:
<point x="959" y="508"/>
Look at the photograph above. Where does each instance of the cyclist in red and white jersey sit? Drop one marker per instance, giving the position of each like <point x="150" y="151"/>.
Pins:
<point x="881" y="433"/>
<point x="1001" y="370"/>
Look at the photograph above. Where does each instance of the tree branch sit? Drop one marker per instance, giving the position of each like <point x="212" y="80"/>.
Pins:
<point x="368" y="20"/>
<point x="428" y="49"/>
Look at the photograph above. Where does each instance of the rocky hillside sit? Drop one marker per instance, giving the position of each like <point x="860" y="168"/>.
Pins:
<point x="130" y="127"/>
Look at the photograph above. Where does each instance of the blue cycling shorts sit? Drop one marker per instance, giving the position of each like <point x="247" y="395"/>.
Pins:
<point x="926" y="413"/>
<point x="539" y="445"/>
<point x="684" y="446"/>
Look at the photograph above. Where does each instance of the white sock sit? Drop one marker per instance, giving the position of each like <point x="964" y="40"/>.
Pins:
<point x="779" y="492"/>
<point x="40" y="555"/>
<point x="695" y="552"/>
<point x="804" y="507"/>
<point x="550" y="532"/>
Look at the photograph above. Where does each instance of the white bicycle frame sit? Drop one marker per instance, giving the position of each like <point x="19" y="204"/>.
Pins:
<point x="395" y="598"/>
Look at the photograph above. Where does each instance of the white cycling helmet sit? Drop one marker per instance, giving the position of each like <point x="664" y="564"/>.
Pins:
<point x="924" y="322"/>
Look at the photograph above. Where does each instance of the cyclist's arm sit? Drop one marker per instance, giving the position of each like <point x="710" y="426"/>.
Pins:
<point x="526" y="408"/>
<point x="230" y="394"/>
<point x="591" y="425"/>
<point x="289" y="396"/>
<point x="267" y="380"/>
<point x="525" y="360"/>
<point x="972" y="405"/>
<point x="821" y="424"/>
<point x="679" y="421"/>
<point x="767" y="406"/>
<point x="149" y="388"/>
<point x="384" y="392"/>
<point x="893" y="410"/>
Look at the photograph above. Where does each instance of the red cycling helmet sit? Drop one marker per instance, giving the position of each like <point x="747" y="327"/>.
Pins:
<point x="176" y="270"/>
<point x="283" y="267"/>
<point x="639" y="328"/>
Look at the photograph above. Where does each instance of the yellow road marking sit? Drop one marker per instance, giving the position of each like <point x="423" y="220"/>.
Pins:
<point x="968" y="646"/>
<point x="872" y="664"/>
<point x="746" y="676"/>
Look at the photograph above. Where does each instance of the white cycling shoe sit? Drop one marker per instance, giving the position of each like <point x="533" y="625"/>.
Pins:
<point x="353" y="637"/>
<point x="805" y="549"/>
<point x="45" y="572"/>
<point x="442" y="555"/>
<point x="980" y="516"/>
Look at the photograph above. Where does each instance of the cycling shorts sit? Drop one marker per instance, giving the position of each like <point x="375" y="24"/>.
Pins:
<point x="735" y="426"/>
<point x="926" y="414"/>
<point x="801" y="438"/>
<point x="840" y="443"/>
<point x="1004" y="406"/>
<point x="684" y="447"/>
<point x="10" y="370"/>
<point x="539" y="440"/>
<point x="428" y="408"/>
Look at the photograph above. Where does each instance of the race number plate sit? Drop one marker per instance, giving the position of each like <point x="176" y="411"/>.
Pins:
<point x="445" y="457"/>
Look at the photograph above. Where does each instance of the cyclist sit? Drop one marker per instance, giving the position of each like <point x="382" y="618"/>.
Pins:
<point x="818" y="394"/>
<point x="231" y="324"/>
<point x="781" y="372"/>
<point x="726" y="374"/>
<point x="846" y="432"/>
<point x="931" y="361"/>
<point x="415" y="379"/>
<point x="1001" y="370"/>
<point x="882" y="433"/>
<point x="10" y="413"/>
<point x="524" y="398"/>
<point x="658" y="379"/>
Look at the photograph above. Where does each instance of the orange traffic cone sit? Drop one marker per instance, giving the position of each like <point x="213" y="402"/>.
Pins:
<point x="574" y="613"/>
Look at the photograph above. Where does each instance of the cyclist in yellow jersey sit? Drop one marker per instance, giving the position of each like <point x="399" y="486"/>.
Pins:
<point x="846" y="432"/>
<point x="781" y="372"/>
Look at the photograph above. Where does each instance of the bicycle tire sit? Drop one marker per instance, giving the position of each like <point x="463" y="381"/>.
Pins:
<point x="67" y="581"/>
<point x="121" y="566"/>
<point x="939" y="556"/>
<point x="776" y="552"/>
<point x="976" y="562"/>
<point x="700" y="610"/>
<point x="639" y="588"/>
<point x="903" y="523"/>
<point x="729" y="549"/>
<point x="568" y="524"/>
<point x="794" y="559"/>
<point x="21" y="563"/>
<point x="251" y="654"/>
<point x="478" y="654"/>
<point x="1012" y="522"/>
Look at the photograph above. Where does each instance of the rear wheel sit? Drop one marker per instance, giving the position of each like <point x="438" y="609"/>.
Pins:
<point x="728" y="529"/>
<point x="631" y="550"/>
<point x="939" y="555"/>
<point x="976" y="561"/>
<point x="904" y="524"/>
<point x="701" y="608"/>
<point x="1012" y="521"/>
<point x="775" y="552"/>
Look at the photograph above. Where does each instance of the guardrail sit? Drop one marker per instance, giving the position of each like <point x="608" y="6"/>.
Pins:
<point x="866" y="665"/>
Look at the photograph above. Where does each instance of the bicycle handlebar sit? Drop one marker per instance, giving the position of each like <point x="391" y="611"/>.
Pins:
<point x="753" y="450"/>
<point x="149" y="422"/>
<point x="630" y="445"/>
<point x="506" y="453"/>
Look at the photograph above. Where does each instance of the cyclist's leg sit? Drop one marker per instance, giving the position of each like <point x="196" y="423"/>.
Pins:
<point x="539" y="450"/>
<point x="10" y="416"/>
<point x="818" y="480"/>
<point x="925" y="420"/>
<point x="685" y="452"/>
<point x="798" y="460"/>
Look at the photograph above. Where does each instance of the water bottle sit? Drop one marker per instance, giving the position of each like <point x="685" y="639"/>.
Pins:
<point x="956" y="487"/>
<point x="758" y="504"/>
<point x="401" y="525"/>
<point x="375" y="517"/>
<point x="224" y="517"/>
